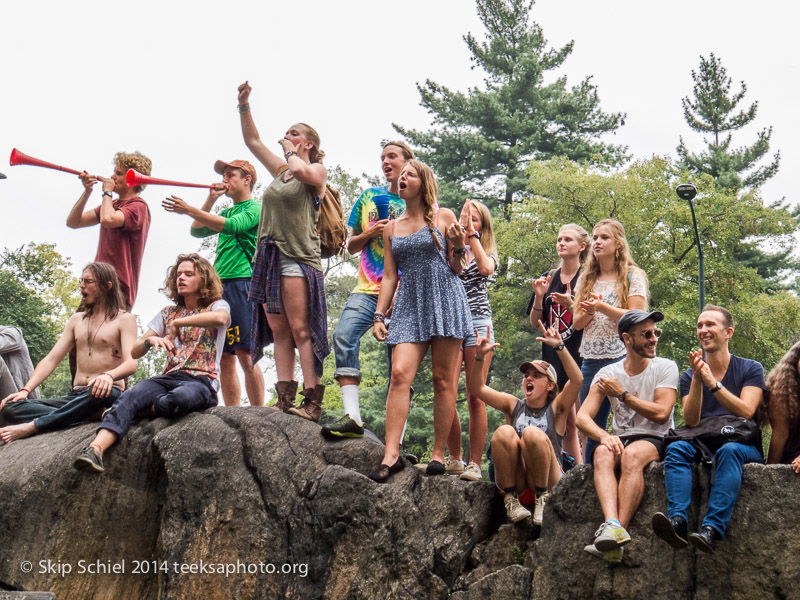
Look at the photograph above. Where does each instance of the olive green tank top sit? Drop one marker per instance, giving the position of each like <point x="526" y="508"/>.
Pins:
<point x="289" y="217"/>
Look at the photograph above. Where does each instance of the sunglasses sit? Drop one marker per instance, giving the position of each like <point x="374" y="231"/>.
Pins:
<point x="650" y="334"/>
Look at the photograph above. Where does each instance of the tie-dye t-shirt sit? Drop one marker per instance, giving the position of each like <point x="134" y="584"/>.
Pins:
<point x="365" y="212"/>
<point x="200" y="348"/>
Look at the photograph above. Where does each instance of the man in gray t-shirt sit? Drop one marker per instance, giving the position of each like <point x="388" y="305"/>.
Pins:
<point x="642" y="389"/>
<point x="15" y="362"/>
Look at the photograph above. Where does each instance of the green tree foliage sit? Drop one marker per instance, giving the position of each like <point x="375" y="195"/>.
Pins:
<point x="483" y="140"/>
<point x="659" y="231"/>
<point x="714" y="109"/>
<point x="38" y="294"/>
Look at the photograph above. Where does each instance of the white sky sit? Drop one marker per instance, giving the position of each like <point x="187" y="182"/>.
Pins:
<point x="83" y="80"/>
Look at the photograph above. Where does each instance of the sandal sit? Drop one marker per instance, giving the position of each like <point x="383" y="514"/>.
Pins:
<point x="382" y="473"/>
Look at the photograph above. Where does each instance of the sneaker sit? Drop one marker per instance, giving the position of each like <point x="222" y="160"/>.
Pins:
<point x="514" y="510"/>
<point x="472" y="472"/>
<point x="453" y="466"/>
<point x="610" y="536"/>
<point x="538" y="509"/>
<point x="612" y="556"/>
<point x="89" y="459"/>
<point x="344" y="427"/>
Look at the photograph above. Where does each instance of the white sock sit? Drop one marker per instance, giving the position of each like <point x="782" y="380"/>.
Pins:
<point x="350" y="401"/>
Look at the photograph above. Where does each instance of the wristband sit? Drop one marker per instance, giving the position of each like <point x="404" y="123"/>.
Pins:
<point x="107" y="193"/>
<point x="290" y="154"/>
<point x="476" y="359"/>
<point x="378" y="317"/>
<point x="459" y="251"/>
<point x="243" y="108"/>
<point x="24" y="390"/>
<point x="474" y="234"/>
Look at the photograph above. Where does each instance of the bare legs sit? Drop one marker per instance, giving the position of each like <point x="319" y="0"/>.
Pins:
<point x="620" y="499"/>
<point x="527" y="461"/>
<point x="405" y="362"/>
<point x="477" y="413"/>
<point x="290" y="330"/>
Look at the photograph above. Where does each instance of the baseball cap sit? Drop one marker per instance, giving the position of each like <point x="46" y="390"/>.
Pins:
<point x="543" y="367"/>
<point x="245" y="166"/>
<point x="632" y="317"/>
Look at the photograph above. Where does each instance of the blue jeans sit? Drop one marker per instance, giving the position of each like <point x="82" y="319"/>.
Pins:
<point x="730" y="459"/>
<point x="172" y="395"/>
<point x="56" y="413"/>
<point x="355" y="321"/>
<point x="589" y="369"/>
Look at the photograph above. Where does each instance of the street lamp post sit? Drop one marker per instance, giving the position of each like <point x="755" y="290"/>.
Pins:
<point x="688" y="191"/>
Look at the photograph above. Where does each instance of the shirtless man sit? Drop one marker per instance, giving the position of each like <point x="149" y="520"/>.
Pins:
<point x="103" y="335"/>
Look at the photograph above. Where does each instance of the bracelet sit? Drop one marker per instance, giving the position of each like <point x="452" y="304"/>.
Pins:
<point x="109" y="374"/>
<point x="289" y="154"/>
<point x="459" y="251"/>
<point x="474" y="234"/>
<point x="107" y="193"/>
<point x="243" y="108"/>
<point x="24" y="390"/>
<point x="476" y="359"/>
<point x="539" y="308"/>
<point x="379" y="317"/>
<point x="147" y="344"/>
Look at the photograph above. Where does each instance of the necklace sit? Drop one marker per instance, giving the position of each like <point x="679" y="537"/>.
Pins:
<point x="89" y="338"/>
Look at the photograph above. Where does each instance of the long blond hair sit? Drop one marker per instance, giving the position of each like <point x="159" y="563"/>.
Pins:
<point x="429" y="192"/>
<point x="623" y="264"/>
<point x="487" y="229"/>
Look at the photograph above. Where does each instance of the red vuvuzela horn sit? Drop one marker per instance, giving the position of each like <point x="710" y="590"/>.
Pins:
<point x="18" y="158"/>
<point x="134" y="178"/>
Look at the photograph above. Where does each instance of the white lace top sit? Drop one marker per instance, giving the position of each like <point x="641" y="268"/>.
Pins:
<point x="600" y="336"/>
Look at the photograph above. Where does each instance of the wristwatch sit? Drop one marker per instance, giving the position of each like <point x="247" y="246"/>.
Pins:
<point x="559" y="348"/>
<point x="107" y="193"/>
<point x="717" y="387"/>
<point x="622" y="396"/>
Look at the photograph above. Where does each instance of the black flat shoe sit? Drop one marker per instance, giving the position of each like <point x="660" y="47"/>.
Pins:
<point x="672" y="531"/>
<point x="435" y="468"/>
<point x="705" y="539"/>
<point x="382" y="473"/>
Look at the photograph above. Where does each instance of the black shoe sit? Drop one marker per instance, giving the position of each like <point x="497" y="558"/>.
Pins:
<point x="382" y="473"/>
<point x="343" y="428"/>
<point x="705" y="539"/>
<point x="672" y="531"/>
<point x="435" y="468"/>
<point x="89" y="459"/>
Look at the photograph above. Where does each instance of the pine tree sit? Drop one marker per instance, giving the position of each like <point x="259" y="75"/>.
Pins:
<point x="714" y="110"/>
<point x="484" y="139"/>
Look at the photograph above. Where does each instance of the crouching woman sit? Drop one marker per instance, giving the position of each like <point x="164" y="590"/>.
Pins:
<point x="527" y="450"/>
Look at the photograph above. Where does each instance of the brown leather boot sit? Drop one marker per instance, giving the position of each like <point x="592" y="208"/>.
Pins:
<point x="287" y="392"/>
<point x="311" y="407"/>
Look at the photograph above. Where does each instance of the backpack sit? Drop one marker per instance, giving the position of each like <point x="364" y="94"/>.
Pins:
<point x="713" y="432"/>
<point x="330" y="225"/>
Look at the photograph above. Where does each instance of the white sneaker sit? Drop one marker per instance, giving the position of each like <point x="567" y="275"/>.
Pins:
<point x="612" y="556"/>
<point x="538" y="509"/>
<point x="610" y="536"/>
<point x="452" y="466"/>
<point x="472" y="472"/>
<point x="514" y="510"/>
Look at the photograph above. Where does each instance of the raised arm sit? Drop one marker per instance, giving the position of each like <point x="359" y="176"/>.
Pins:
<point x="477" y="385"/>
<point x="567" y="396"/>
<point x="252" y="140"/>
<point x="485" y="263"/>
<point x="77" y="217"/>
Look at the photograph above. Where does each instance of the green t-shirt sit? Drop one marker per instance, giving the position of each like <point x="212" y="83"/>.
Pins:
<point x="237" y="240"/>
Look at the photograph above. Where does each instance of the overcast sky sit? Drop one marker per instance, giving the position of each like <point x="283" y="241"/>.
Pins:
<point x="83" y="80"/>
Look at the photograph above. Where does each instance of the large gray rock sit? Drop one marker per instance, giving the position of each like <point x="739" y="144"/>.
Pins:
<point x="294" y="516"/>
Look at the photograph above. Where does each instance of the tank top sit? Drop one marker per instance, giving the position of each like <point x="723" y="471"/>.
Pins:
<point x="523" y="416"/>
<point x="289" y="215"/>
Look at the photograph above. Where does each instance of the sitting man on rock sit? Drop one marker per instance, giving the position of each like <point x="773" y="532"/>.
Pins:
<point x="103" y="334"/>
<point x="192" y="331"/>
<point x="722" y="384"/>
<point x="642" y="390"/>
<point x="15" y="362"/>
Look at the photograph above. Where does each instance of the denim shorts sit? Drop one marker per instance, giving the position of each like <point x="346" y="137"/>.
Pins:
<point x="289" y="267"/>
<point x="483" y="325"/>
